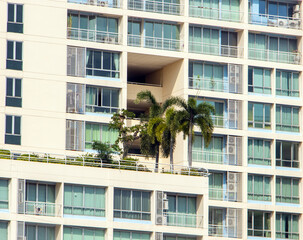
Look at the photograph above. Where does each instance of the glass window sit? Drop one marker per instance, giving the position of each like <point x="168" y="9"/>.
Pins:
<point x="131" y="235"/>
<point x="14" y="55"/>
<point x="287" y="190"/>
<point x="259" y="151"/>
<point x="104" y="100"/>
<point x="77" y="233"/>
<point x="3" y="194"/>
<point x="259" y="80"/>
<point x="13" y="92"/>
<point x="216" y="221"/>
<point x="84" y="200"/>
<point x="181" y="211"/>
<point x="287" y="154"/>
<point x="287" y="118"/>
<point x="259" y="115"/>
<point x="3" y="230"/>
<point x="102" y="63"/>
<point x="177" y="237"/>
<point x="100" y="133"/>
<point x="13" y="130"/>
<point x="213" y="153"/>
<point x="287" y="226"/>
<point x="132" y="204"/>
<point x="259" y="224"/>
<point x="287" y="83"/>
<point x="14" y="18"/>
<point x="258" y="188"/>
<point x="38" y="232"/>
<point x="216" y="186"/>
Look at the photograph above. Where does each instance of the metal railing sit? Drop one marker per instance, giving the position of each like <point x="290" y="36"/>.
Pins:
<point x="215" y="157"/>
<point x="100" y="3"/>
<point x="92" y="161"/>
<point x="221" y="194"/>
<point x="86" y="211"/>
<point x="155" y="43"/>
<point x="215" y="49"/>
<point x="145" y="84"/>
<point x="259" y="196"/>
<point x="288" y="199"/>
<point x="94" y="36"/>
<point x="287" y="127"/>
<point x="291" y="163"/>
<point x="274" y="56"/>
<point x="207" y="84"/>
<point x="219" y="121"/>
<point x="42" y="208"/>
<point x="100" y="109"/>
<point x="128" y="214"/>
<point x="288" y="93"/>
<point x="220" y="230"/>
<point x="156" y="7"/>
<point x="259" y="232"/>
<point x="274" y="20"/>
<point x="183" y="220"/>
<point x="259" y="161"/>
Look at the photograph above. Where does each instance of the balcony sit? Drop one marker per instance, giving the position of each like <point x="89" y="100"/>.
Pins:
<point x="183" y="220"/>
<point x="215" y="49"/>
<point x="274" y="21"/>
<point x="215" y="14"/>
<point x="133" y="88"/>
<point x="155" y="43"/>
<point x="156" y="7"/>
<point x="100" y="3"/>
<point x="274" y="56"/>
<point x="94" y="36"/>
<point x="42" y="209"/>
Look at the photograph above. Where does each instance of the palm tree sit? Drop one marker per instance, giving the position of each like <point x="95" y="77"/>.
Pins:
<point x="192" y="114"/>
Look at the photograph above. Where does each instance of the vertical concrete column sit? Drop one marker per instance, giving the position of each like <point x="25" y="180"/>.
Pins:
<point x="12" y="230"/>
<point x="185" y="34"/>
<point x="185" y="6"/>
<point x="273" y="82"/>
<point x="244" y="10"/>
<point x="123" y="71"/>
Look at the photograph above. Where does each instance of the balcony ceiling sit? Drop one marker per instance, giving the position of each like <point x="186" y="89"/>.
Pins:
<point x="141" y="64"/>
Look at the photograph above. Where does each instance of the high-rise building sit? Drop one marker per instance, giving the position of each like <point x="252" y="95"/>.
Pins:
<point x="67" y="65"/>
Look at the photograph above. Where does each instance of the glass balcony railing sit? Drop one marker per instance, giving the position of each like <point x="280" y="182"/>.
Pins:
<point x="215" y="49"/>
<point x="287" y="127"/>
<point x="100" y="3"/>
<point x="42" y="208"/>
<point x="155" y="43"/>
<point x="215" y="157"/>
<point x="94" y="36"/>
<point x="220" y="230"/>
<point x="184" y="220"/>
<point x="216" y="14"/>
<point x="156" y="7"/>
<point x="274" y="56"/>
<point x="274" y="21"/>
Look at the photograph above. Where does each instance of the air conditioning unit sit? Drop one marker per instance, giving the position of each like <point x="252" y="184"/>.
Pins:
<point x="232" y="117"/>
<point x="109" y="40"/>
<point x="294" y="23"/>
<point x="39" y="210"/>
<point x="165" y="204"/>
<point x="296" y="8"/>
<point x="103" y="3"/>
<point x="231" y="222"/>
<point x="161" y="220"/>
<point x="91" y="2"/>
<point x="160" y="195"/>
<point x="232" y="213"/>
<point x="231" y="187"/>
<point x="232" y="177"/>
<point x="234" y="79"/>
<point x="282" y="23"/>
<point x="232" y="150"/>
<point x="234" y="69"/>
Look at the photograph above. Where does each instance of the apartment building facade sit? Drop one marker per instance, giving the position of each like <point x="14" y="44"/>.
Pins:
<point x="68" y="65"/>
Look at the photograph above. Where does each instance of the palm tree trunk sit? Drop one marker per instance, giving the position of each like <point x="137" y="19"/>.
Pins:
<point x="190" y="142"/>
<point x="171" y="153"/>
<point x="157" y="158"/>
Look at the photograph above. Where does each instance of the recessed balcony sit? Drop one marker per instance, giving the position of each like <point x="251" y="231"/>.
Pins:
<point x="164" y="7"/>
<point x="99" y="3"/>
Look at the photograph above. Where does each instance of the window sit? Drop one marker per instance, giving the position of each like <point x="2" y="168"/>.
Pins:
<point x="132" y="204"/>
<point x="218" y="117"/>
<point x="181" y="211"/>
<point x="14" y="55"/>
<point x="131" y="235"/>
<point x="15" y="18"/>
<point x="3" y="195"/>
<point x="287" y="154"/>
<point x="206" y="76"/>
<point x="258" y="188"/>
<point x="287" y="83"/>
<point x="102" y="100"/>
<point x="287" y="226"/>
<point x="177" y="237"/>
<point x="75" y="94"/>
<point x="259" y="224"/>
<point x="77" y="233"/>
<point x="84" y="200"/>
<point x="100" y="133"/>
<point x="259" y="151"/>
<point x="216" y="221"/>
<point x="92" y="28"/>
<point x="13" y="130"/>
<point x="259" y="115"/>
<point x="38" y="232"/>
<point x="259" y="80"/>
<point x="213" y="153"/>
<point x="287" y="190"/>
<point x="3" y="230"/>
<point x="162" y="35"/>
<point x="204" y="40"/>
<point x="40" y="199"/>
<point x="75" y="135"/>
<point x="287" y="118"/>
<point x="216" y="186"/>
<point x="134" y="32"/>
<point x="102" y="63"/>
<point x="13" y="92"/>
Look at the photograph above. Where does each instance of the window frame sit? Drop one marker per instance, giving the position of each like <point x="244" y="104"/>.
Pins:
<point x="15" y="25"/>
<point x="252" y="122"/>
<point x="11" y="62"/>
<point x="83" y="229"/>
<point x="252" y="87"/>
<point x="292" y="92"/>
<point x="13" y="96"/>
<point x="291" y="233"/>
<point x="2" y="199"/>
<point x="251" y="159"/>
<point x="251" y="231"/>
<point x="280" y="125"/>
<point x="13" y="137"/>
<point x="293" y="199"/>
<point x="36" y="226"/>
<point x="292" y="163"/>
<point x="252" y="195"/>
